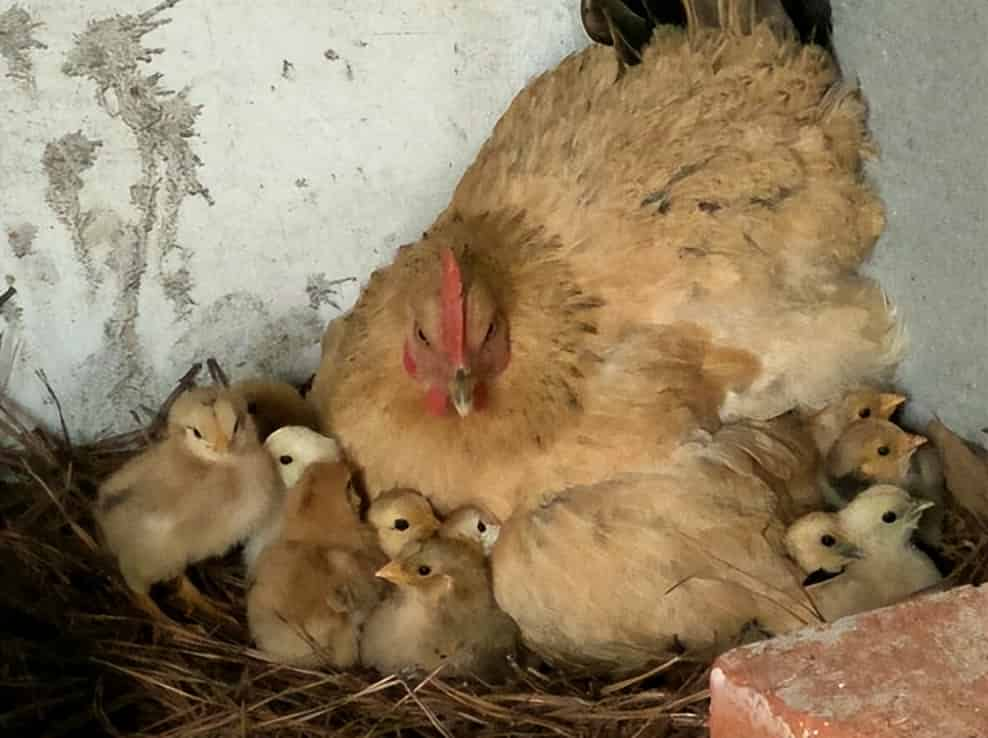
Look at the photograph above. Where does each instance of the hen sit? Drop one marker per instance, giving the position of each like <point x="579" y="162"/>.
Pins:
<point x="638" y="254"/>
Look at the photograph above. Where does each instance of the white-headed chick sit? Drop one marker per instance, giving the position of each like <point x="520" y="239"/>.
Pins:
<point x="879" y="452"/>
<point x="314" y="585"/>
<point x="442" y="612"/>
<point x="293" y="449"/>
<point x="196" y="494"/>
<point x="882" y="521"/>
<point x="818" y="543"/>
<point x="275" y="405"/>
<point x="472" y="523"/>
<point x="829" y="424"/>
<point x="401" y="516"/>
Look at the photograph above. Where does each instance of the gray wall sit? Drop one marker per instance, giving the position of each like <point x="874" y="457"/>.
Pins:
<point x="924" y="67"/>
<point x="313" y="141"/>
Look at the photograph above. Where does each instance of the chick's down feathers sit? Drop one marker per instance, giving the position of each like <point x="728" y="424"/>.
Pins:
<point x="204" y="488"/>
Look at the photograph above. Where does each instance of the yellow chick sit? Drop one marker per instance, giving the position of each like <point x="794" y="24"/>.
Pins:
<point x="196" y="494"/>
<point x="275" y="405"/>
<point x="443" y="612"/>
<point x="401" y="516"/>
<point x="818" y="543"/>
<point x="314" y="586"/>
<point x="879" y="452"/>
<point x="294" y="449"/>
<point x="829" y="424"/>
<point x="472" y="523"/>
<point x="882" y="521"/>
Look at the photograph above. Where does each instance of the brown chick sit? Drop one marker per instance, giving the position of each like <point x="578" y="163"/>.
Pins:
<point x="294" y="449"/>
<point x="204" y="488"/>
<point x="877" y="451"/>
<point x="401" y="516"/>
<point x="275" y="405"/>
<point x="314" y="586"/>
<point x="828" y="424"/>
<point x="443" y="612"/>
<point x="472" y="523"/>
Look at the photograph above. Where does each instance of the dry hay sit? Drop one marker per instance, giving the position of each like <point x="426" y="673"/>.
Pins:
<point x="79" y="659"/>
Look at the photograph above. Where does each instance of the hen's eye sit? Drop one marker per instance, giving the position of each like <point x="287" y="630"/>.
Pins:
<point x="424" y="571"/>
<point x="480" y="526"/>
<point x="421" y="335"/>
<point x="889" y="517"/>
<point x="491" y="330"/>
<point x="884" y="450"/>
<point x="285" y="460"/>
<point x="828" y="540"/>
<point x="196" y="433"/>
<point x="401" y="524"/>
<point x="865" y="412"/>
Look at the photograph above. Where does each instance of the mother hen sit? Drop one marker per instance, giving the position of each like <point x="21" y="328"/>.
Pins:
<point x="637" y="255"/>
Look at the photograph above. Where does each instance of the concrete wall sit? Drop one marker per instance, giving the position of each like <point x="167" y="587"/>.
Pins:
<point x="233" y="205"/>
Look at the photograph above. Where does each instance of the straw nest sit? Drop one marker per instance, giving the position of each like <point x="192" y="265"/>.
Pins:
<point x="79" y="659"/>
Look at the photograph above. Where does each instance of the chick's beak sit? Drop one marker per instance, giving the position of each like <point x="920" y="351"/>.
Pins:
<point x="461" y="392"/>
<point x="849" y="551"/>
<point x="919" y="508"/>
<point x="222" y="443"/>
<point x="916" y="441"/>
<point x="889" y="402"/>
<point x="392" y="572"/>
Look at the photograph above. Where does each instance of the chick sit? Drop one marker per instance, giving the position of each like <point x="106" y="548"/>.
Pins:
<point x="294" y="449"/>
<point x="401" y="516"/>
<point x="275" y="405"/>
<point x="314" y="585"/>
<point x="882" y="521"/>
<point x="876" y="452"/>
<point x="818" y="543"/>
<point x="829" y="424"/>
<point x="472" y="523"/>
<point x="204" y="488"/>
<point x="443" y="612"/>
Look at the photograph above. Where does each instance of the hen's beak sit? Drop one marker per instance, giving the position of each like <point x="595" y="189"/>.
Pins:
<point x="889" y="402"/>
<point x="849" y="551"/>
<point x="392" y="572"/>
<point x="461" y="392"/>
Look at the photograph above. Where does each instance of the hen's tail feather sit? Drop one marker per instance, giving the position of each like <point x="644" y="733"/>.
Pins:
<point x="628" y="24"/>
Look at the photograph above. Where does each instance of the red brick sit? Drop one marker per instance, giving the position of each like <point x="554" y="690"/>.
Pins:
<point x="915" y="670"/>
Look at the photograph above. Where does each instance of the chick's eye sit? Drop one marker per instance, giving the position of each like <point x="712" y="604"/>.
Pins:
<point x="236" y="426"/>
<point x="424" y="571"/>
<point x="421" y="336"/>
<point x="884" y="450"/>
<point x="252" y="408"/>
<point x="480" y="526"/>
<point x="828" y="540"/>
<point x="889" y="517"/>
<point x="285" y="460"/>
<point x="491" y="330"/>
<point x="864" y="412"/>
<point x="401" y="524"/>
<point x="196" y="433"/>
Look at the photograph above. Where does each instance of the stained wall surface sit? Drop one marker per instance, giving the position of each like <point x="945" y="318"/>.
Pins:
<point x="218" y="177"/>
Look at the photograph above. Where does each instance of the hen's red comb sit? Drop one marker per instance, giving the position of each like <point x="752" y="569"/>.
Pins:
<point x="451" y="309"/>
